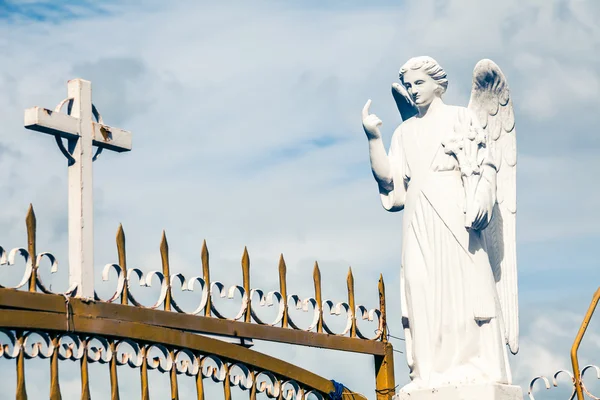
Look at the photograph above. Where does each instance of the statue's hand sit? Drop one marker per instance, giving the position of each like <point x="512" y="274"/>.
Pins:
<point x="371" y="122"/>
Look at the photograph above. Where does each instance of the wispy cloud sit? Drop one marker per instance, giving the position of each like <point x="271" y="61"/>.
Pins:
<point x="24" y="11"/>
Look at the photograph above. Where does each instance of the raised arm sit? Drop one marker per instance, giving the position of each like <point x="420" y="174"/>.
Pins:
<point x="380" y="164"/>
<point x="384" y="167"/>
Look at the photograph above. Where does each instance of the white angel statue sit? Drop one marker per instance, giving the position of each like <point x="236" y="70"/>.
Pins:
<point x="453" y="172"/>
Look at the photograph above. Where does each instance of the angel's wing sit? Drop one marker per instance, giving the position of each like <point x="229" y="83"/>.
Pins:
<point x="405" y="104"/>
<point x="491" y="102"/>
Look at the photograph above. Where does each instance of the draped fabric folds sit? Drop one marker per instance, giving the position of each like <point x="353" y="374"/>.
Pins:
<point x="451" y="314"/>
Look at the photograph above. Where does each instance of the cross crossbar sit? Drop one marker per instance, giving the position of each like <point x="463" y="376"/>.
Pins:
<point x="82" y="134"/>
<point x="56" y="123"/>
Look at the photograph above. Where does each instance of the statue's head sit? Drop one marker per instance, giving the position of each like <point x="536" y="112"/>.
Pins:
<point x="424" y="79"/>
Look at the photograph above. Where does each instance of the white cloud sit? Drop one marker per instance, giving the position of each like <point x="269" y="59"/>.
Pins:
<point x="214" y="93"/>
<point x="545" y="350"/>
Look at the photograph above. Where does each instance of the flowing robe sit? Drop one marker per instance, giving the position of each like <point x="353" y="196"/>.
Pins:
<point x="450" y="310"/>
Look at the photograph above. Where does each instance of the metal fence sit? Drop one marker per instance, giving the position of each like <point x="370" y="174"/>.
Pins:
<point x="121" y="331"/>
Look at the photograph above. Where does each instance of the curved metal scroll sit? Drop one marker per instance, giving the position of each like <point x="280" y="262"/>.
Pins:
<point x="172" y="344"/>
<point x="59" y="142"/>
<point x="101" y="122"/>
<point x="58" y="139"/>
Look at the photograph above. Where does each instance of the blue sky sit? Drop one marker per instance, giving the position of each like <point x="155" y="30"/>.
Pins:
<point x="246" y="124"/>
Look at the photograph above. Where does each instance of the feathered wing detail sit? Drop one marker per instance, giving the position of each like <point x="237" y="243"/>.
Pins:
<point x="405" y="104"/>
<point x="491" y="102"/>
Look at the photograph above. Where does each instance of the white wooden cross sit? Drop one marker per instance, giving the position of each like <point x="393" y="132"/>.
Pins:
<point x="82" y="133"/>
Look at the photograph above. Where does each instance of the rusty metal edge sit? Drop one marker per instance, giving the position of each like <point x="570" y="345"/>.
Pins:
<point x="10" y="298"/>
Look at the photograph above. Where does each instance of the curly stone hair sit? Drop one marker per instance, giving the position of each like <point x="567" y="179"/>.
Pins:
<point x="430" y="67"/>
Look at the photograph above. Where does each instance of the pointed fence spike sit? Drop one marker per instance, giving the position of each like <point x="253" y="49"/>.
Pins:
<point x="383" y="322"/>
<point x="283" y="289"/>
<point x="31" y="224"/>
<point x="246" y="277"/>
<point x="164" y="256"/>
<point x="351" y="301"/>
<point x="30" y="217"/>
<point x="206" y="275"/>
<point x="120" y="232"/>
<point x="318" y="296"/>
<point x="122" y="261"/>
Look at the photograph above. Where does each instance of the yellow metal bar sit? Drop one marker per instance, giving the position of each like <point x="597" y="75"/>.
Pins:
<point x="122" y="261"/>
<point x="226" y="384"/>
<point x="114" y="378"/>
<point x="318" y="295"/>
<point x="200" y="385"/>
<point x="577" y="342"/>
<point x="246" y="280"/>
<point x="351" y="301"/>
<point x="385" y="386"/>
<point x="30" y="222"/>
<point x="37" y="302"/>
<point x="54" y="383"/>
<point x="252" y="395"/>
<point x="21" y="388"/>
<point x="206" y="274"/>
<point x="283" y="290"/>
<point x="144" y="374"/>
<point x="164" y="256"/>
<point x="173" y="374"/>
<point x="85" y="375"/>
<point x="383" y="322"/>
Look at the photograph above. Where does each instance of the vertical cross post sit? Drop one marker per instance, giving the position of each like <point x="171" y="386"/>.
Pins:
<point x="82" y="133"/>
<point x="81" y="203"/>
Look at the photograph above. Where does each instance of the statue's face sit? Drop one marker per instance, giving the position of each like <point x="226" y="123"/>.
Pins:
<point x="421" y="87"/>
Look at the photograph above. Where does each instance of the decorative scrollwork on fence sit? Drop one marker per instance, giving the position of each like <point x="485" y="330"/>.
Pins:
<point x="30" y="271"/>
<point x="571" y="380"/>
<point x="10" y="260"/>
<point x="23" y="339"/>
<point x="155" y="356"/>
<point x="251" y="300"/>
<point x="588" y="367"/>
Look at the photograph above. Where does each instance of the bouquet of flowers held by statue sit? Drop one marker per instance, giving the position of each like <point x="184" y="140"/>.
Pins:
<point x="469" y="146"/>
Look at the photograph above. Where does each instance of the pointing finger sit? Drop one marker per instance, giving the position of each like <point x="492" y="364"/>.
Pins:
<point x="365" y="110"/>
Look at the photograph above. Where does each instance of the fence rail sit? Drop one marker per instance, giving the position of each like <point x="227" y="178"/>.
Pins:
<point x="40" y="333"/>
<point x="252" y="299"/>
<point x="63" y="326"/>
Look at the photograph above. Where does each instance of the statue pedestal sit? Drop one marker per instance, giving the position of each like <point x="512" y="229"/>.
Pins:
<point x="465" y="392"/>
